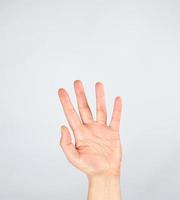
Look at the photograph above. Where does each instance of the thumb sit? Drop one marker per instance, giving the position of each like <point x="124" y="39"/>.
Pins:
<point x="68" y="147"/>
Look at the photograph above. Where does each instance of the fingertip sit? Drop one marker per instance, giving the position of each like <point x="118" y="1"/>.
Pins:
<point x="77" y="82"/>
<point x="98" y="84"/>
<point x="118" y="98"/>
<point x="63" y="128"/>
<point x="61" y="91"/>
<point x="78" y="86"/>
<point x="99" y="89"/>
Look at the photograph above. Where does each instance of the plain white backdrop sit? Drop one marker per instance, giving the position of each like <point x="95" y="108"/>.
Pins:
<point x="133" y="47"/>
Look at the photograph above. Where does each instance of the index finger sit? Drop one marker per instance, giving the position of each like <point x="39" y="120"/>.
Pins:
<point x="69" y="111"/>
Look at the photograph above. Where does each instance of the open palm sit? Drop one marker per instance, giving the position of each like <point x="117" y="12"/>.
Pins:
<point x="97" y="148"/>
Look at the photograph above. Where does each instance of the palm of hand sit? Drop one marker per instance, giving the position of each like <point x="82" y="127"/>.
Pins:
<point x="97" y="148"/>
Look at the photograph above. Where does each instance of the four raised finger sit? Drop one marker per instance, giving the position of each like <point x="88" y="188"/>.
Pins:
<point x="101" y="113"/>
<point x="70" y="113"/>
<point x="84" y="109"/>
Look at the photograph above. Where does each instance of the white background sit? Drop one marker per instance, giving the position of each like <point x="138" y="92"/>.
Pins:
<point x="133" y="47"/>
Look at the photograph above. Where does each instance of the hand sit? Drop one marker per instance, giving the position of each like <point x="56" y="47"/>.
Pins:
<point x="97" y="149"/>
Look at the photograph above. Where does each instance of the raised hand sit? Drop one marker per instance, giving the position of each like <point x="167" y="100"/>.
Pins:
<point x="97" y="149"/>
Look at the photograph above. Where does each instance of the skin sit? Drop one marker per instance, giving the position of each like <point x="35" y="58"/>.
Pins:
<point x="97" y="150"/>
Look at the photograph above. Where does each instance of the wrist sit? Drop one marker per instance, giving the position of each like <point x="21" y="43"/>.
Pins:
<point x="110" y="174"/>
<point x="106" y="178"/>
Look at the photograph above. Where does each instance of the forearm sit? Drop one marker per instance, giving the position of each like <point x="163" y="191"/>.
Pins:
<point x="104" y="187"/>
